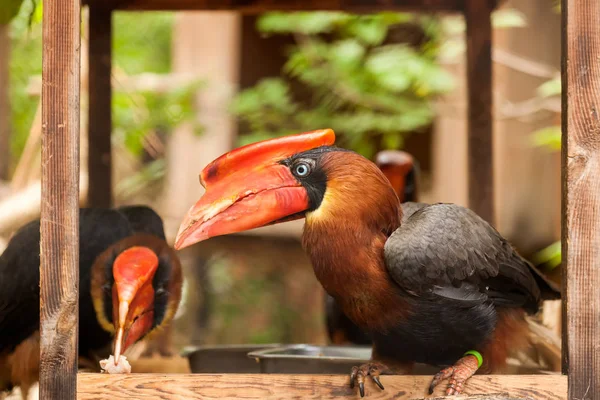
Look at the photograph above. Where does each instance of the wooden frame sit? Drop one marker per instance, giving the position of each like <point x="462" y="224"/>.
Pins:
<point x="60" y="195"/>
<point x="59" y="244"/>
<point x="581" y="206"/>
<point x="275" y="386"/>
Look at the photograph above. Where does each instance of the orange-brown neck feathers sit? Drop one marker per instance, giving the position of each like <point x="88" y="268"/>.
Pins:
<point x="357" y="193"/>
<point x="345" y="235"/>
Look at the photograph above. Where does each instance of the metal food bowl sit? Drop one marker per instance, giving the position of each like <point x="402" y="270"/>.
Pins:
<point x="221" y="359"/>
<point x="308" y="359"/>
<point x="328" y="360"/>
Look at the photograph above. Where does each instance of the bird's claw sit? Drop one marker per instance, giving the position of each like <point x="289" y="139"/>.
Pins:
<point x="458" y="374"/>
<point x="358" y="374"/>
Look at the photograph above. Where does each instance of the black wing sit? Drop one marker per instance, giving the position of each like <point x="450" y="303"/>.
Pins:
<point x="448" y="250"/>
<point x="20" y="276"/>
<point x="144" y="219"/>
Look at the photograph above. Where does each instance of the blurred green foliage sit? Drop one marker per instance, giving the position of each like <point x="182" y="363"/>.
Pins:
<point x="371" y="92"/>
<point x="550" y="138"/>
<point x="25" y="61"/>
<point x="370" y="88"/>
<point x="144" y="49"/>
<point x="8" y="10"/>
<point x="549" y="256"/>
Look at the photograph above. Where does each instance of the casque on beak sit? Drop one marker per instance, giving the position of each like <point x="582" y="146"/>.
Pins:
<point x="133" y="296"/>
<point x="248" y="188"/>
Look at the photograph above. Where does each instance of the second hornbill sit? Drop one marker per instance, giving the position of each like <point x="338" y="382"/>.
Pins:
<point x="432" y="284"/>
<point x="129" y="285"/>
<point x="400" y="169"/>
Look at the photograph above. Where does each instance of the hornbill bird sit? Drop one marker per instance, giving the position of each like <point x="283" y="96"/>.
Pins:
<point x="400" y="169"/>
<point x="129" y="286"/>
<point x="432" y="284"/>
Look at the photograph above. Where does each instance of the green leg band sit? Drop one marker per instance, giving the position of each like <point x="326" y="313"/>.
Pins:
<point x="477" y="356"/>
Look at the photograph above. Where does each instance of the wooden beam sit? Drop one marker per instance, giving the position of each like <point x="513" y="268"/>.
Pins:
<point x="479" y="126"/>
<point x="260" y="6"/>
<point x="100" y="112"/>
<point x="59" y="245"/>
<point x="581" y="204"/>
<point x="275" y="386"/>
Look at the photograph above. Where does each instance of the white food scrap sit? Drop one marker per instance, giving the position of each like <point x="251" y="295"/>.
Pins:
<point x="108" y="365"/>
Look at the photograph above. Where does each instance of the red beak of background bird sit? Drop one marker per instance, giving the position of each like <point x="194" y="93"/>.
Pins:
<point x="248" y="188"/>
<point x="133" y="296"/>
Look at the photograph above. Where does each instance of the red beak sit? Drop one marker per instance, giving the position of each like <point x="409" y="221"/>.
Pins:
<point x="248" y="188"/>
<point x="133" y="296"/>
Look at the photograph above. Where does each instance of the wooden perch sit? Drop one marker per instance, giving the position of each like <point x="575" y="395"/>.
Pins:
<point x="275" y="386"/>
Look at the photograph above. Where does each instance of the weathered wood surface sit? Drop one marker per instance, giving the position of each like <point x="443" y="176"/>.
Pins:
<point x="272" y="386"/>
<point x="581" y="202"/>
<point x="258" y="6"/>
<point x="100" y="112"/>
<point x="480" y="121"/>
<point x="59" y="268"/>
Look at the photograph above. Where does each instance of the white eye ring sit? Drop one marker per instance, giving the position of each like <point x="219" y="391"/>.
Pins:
<point x="301" y="170"/>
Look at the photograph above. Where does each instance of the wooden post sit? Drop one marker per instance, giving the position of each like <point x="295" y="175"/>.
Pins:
<point x="581" y="203"/>
<point x="59" y="267"/>
<point x="479" y="82"/>
<point x="100" y="117"/>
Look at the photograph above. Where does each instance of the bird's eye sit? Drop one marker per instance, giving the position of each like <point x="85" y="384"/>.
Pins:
<point x="301" y="170"/>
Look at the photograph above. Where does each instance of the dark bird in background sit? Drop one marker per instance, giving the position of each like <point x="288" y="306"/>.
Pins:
<point x="143" y="219"/>
<point x="432" y="284"/>
<point x="129" y="286"/>
<point x="400" y="169"/>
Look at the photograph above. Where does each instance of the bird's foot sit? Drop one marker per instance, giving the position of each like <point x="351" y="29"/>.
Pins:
<point x="458" y="374"/>
<point x="371" y="369"/>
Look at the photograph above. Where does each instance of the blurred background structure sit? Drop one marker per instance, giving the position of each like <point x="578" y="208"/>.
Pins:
<point x="381" y="81"/>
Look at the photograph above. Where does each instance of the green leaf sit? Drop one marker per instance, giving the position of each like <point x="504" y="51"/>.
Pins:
<point x="550" y="88"/>
<point x="38" y="13"/>
<point x="549" y="137"/>
<point x="369" y="31"/>
<point x="347" y="52"/>
<point x="147" y="49"/>
<point x="301" y="22"/>
<point x="551" y="255"/>
<point x="434" y="80"/>
<point x="392" y="67"/>
<point x="8" y="10"/>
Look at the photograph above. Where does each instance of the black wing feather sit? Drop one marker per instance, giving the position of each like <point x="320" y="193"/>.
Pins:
<point x="144" y="219"/>
<point x="448" y="250"/>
